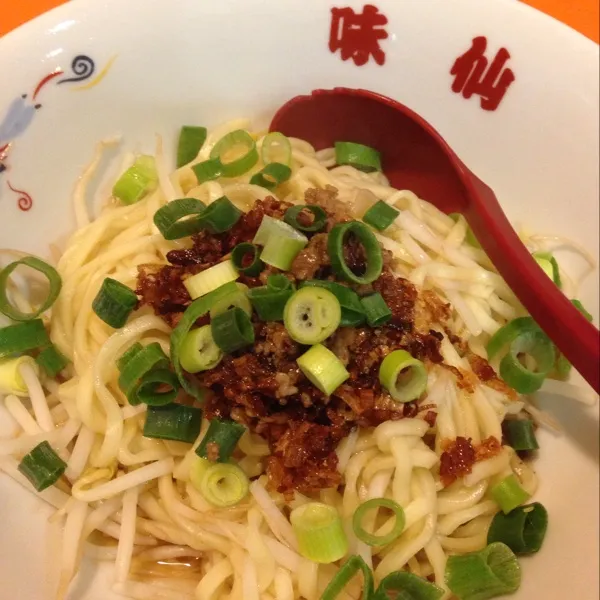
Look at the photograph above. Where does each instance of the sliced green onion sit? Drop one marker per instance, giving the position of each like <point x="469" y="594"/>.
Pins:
<point x="520" y="434"/>
<point x="220" y="440"/>
<point x="149" y="358"/>
<point x="23" y="337"/>
<point x="114" y="303"/>
<point x="579" y="306"/>
<point x="516" y="374"/>
<point x="374" y="504"/>
<point x="363" y="158"/>
<point x="128" y="355"/>
<point x="407" y="586"/>
<point x="199" y="351"/>
<point x="319" y="531"/>
<point x="238" y="298"/>
<point x="493" y="571"/>
<point x="279" y="283"/>
<point x="191" y="140"/>
<point x="376" y="310"/>
<point x="319" y="217"/>
<point x="237" y="153"/>
<point x="173" y="219"/>
<point x="323" y="369"/>
<point x="220" y="215"/>
<point x="509" y="494"/>
<point x="224" y="484"/>
<point x="11" y="380"/>
<point x="268" y="303"/>
<point x="335" y="248"/>
<point x="140" y="179"/>
<point x="211" y="279"/>
<point x="198" y="308"/>
<point x="197" y="470"/>
<point x="523" y="529"/>
<point x="54" y="283"/>
<point x="175" y="422"/>
<point x="549" y="265"/>
<point x="42" y="466"/>
<point x="270" y="227"/>
<point x="232" y="330"/>
<point x="469" y="236"/>
<point x="311" y="315"/>
<point x="347" y="571"/>
<point x="271" y="176"/>
<point x="506" y="334"/>
<point x="404" y="377"/>
<point x="381" y="215"/>
<point x="246" y="259"/>
<point x="51" y="360"/>
<point x="276" y="148"/>
<point x="208" y="170"/>
<point x="352" y="310"/>
<point x="151" y="389"/>
<point x="280" y="251"/>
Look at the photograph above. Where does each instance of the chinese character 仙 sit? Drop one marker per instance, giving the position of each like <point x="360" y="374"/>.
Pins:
<point x="357" y="35"/>
<point x="474" y="76"/>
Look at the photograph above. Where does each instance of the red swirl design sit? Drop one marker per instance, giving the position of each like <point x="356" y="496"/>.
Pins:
<point x="25" y="201"/>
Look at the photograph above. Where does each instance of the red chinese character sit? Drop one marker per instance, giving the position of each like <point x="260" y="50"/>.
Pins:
<point x="358" y="34"/>
<point x="471" y="76"/>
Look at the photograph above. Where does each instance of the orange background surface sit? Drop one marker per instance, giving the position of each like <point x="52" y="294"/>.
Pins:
<point x="583" y="15"/>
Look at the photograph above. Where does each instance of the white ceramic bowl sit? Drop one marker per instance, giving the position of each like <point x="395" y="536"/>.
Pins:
<point x="172" y="62"/>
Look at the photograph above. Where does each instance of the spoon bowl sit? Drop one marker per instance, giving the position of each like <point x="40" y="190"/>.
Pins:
<point x="416" y="157"/>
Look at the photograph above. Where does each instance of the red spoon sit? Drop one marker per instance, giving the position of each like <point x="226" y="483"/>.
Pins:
<point x="416" y="157"/>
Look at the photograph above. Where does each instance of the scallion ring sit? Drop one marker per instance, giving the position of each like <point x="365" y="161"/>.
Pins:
<point x="220" y="215"/>
<point x="232" y="330"/>
<point x="157" y="387"/>
<point x="224" y="485"/>
<point x="335" y="248"/>
<point x="269" y="303"/>
<point x="114" y="303"/>
<point x="352" y="309"/>
<point x="271" y="176"/>
<point x="523" y="529"/>
<point x="54" y="283"/>
<point x="42" y="466"/>
<point x="520" y="434"/>
<point x="376" y="310"/>
<point x="345" y="574"/>
<point x="51" y="360"/>
<point x="509" y="494"/>
<point x="178" y="218"/>
<point x="296" y="217"/>
<point x="381" y="215"/>
<point x="549" y="265"/>
<point x="128" y="355"/>
<point x="281" y="250"/>
<point x="323" y="368"/>
<point x="374" y="504"/>
<point x="404" y="377"/>
<point x="246" y="259"/>
<point x="269" y="226"/>
<point x="175" y="422"/>
<point x="207" y="170"/>
<point x="220" y="440"/>
<point x="276" y="147"/>
<point x="236" y="152"/>
<point x="199" y="351"/>
<point x="238" y="298"/>
<point x="23" y="337"/>
<point x="191" y="140"/>
<point x="311" y="315"/>
<point x="407" y="586"/>
<point x="361" y="157"/>
<point x="211" y="279"/>
<point x="137" y="181"/>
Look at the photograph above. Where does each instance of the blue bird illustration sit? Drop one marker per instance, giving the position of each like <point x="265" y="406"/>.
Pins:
<point x="19" y="116"/>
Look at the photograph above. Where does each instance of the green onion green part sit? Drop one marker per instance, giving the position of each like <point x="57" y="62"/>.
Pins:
<point x="509" y="494"/>
<point x="157" y="387"/>
<point x="376" y="310"/>
<point x="54" y="287"/>
<point x="224" y="484"/>
<point x="236" y="151"/>
<point x="297" y="217"/>
<point x="374" y="504"/>
<point x="194" y="311"/>
<point x="335" y="248"/>
<point x="246" y="259"/>
<point x="51" y="360"/>
<point x="346" y="573"/>
<point x="520" y="434"/>
<point x="232" y="330"/>
<point x="207" y="170"/>
<point x="270" y="227"/>
<point x="174" y="422"/>
<point x="381" y="215"/>
<point x="279" y="283"/>
<point x="42" y="466"/>
<point x="238" y="298"/>
<point x="128" y="355"/>
<point x="280" y="250"/>
<point x="23" y="337"/>
<point x="549" y="265"/>
<point x="523" y="529"/>
<point x="491" y="572"/>
<point x="323" y="368"/>
<point x="269" y="303"/>
<point x="363" y="158"/>
<point x="311" y="315"/>
<point x="178" y="218"/>
<point x="352" y="309"/>
<point x="579" y="306"/>
<point x="220" y="440"/>
<point x="220" y="215"/>
<point x="191" y="140"/>
<point x="137" y="181"/>
<point x="319" y="531"/>
<point x="114" y="303"/>
<point x="276" y="148"/>
<point x="211" y="279"/>
<point x="404" y="377"/>
<point x="506" y="334"/>
<point x="407" y="586"/>
<point x="199" y="351"/>
<point x="271" y="176"/>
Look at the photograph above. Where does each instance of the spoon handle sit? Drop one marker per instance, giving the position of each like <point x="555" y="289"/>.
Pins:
<point x="572" y="333"/>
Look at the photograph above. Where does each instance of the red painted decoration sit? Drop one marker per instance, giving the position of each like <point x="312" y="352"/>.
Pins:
<point x="25" y="202"/>
<point x="472" y="75"/>
<point x="357" y="35"/>
<point x="45" y="80"/>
